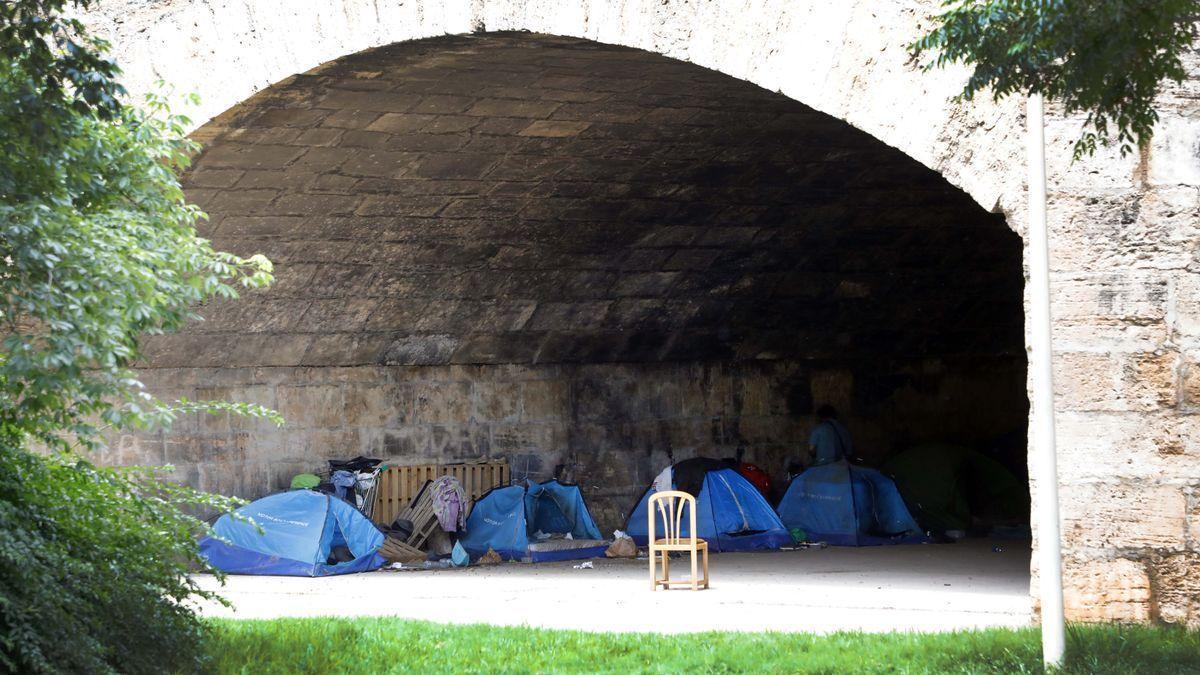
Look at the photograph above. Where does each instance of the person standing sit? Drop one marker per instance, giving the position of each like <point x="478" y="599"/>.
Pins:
<point x="830" y="441"/>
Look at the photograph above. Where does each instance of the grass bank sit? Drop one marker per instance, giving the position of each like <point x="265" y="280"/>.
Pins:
<point x="383" y="645"/>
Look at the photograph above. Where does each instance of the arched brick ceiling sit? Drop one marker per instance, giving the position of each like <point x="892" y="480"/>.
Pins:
<point x="516" y="198"/>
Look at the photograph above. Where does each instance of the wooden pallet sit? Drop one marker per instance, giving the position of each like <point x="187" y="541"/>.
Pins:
<point x="398" y="485"/>
<point x="394" y="550"/>
<point x="420" y="514"/>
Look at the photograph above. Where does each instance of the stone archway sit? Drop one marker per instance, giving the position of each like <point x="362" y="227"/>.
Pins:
<point x="1127" y="301"/>
<point x="592" y="261"/>
<point x="846" y="59"/>
<point x="614" y="223"/>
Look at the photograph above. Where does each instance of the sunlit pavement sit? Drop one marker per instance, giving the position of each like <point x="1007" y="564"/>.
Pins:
<point x="971" y="584"/>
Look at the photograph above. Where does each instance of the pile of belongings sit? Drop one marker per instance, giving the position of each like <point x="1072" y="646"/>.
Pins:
<point x="731" y="514"/>
<point x="355" y="480"/>
<point x="303" y="533"/>
<point x="439" y="508"/>
<point x="323" y="527"/>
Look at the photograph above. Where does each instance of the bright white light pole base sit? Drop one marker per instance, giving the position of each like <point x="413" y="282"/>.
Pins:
<point x="1045" y="469"/>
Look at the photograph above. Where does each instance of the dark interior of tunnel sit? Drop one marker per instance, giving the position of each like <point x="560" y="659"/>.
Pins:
<point x="649" y="260"/>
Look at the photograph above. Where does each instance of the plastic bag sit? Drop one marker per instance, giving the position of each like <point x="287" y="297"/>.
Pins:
<point x="459" y="555"/>
<point x="624" y="547"/>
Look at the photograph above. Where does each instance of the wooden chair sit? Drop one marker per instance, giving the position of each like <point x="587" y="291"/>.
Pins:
<point x="667" y="507"/>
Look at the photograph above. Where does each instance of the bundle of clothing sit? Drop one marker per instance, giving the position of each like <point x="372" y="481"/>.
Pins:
<point x="449" y="503"/>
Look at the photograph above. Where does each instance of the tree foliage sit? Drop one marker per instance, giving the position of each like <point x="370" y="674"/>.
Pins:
<point x="97" y="249"/>
<point x="1103" y="58"/>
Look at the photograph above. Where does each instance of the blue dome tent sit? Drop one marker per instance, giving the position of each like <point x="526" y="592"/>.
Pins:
<point x="508" y="519"/>
<point x="848" y="505"/>
<point x="299" y="531"/>
<point x="731" y="515"/>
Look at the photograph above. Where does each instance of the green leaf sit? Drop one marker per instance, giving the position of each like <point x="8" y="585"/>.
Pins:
<point x="1107" y="59"/>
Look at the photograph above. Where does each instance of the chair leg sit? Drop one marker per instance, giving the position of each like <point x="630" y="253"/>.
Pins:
<point x="695" y="580"/>
<point x="653" y="570"/>
<point x="666" y="555"/>
<point x="706" y="568"/>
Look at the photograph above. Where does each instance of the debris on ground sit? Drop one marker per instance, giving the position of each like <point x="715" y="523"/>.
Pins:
<point x="585" y="566"/>
<point x="622" y="547"/>
<point x="490" y="558"/>
<point x="421" y="566"/>
<point x="802" y="546"/>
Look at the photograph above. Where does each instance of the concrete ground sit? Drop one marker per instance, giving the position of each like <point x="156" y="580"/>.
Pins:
<point x="921" y="587"/>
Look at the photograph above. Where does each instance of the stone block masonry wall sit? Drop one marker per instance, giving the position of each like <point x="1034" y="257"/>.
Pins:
<point x="609" y="427"/>
<point x="1125" y="252"/>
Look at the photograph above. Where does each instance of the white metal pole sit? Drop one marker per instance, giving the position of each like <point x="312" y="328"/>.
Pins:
<point x="1042" y="367"/>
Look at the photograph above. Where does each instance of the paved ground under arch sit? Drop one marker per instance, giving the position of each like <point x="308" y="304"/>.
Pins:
<point x="928" y="588"/>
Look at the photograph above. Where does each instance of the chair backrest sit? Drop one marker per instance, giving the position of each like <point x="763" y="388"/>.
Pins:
<point x="667" y="507"/>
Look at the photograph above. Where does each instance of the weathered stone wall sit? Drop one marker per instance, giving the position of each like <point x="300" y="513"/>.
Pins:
<point x="609" y="427"/>
<point x="1123" y="230"/>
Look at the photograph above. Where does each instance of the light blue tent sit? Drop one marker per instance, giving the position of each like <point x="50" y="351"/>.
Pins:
<point x="731" y="515"/>
<point x="508" y="519"/>
<point x="848" y="505"/>
<point x="299" y="529"/>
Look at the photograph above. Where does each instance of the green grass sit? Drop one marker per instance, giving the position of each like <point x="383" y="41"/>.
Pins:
<point x="381" y="645"/>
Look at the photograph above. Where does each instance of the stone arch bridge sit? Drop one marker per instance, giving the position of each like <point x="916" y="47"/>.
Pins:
<point x="648" y="230"/>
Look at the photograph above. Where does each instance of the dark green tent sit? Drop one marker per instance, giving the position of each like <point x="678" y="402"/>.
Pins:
<point x="949" y="487"/>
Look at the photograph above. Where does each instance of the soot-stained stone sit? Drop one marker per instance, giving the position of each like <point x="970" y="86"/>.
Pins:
<point x="614" y="205"/>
